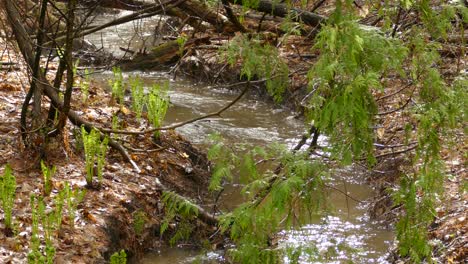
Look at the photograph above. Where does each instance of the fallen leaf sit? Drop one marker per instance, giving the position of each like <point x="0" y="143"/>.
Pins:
<point x="125" y="110"/>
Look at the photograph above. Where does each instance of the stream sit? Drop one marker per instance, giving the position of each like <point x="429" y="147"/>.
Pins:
<point x="346" y="234"/>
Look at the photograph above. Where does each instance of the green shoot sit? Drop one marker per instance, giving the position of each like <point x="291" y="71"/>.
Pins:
<point x="181" y="40"/>
<point x="119" y="257"/>
<point x="158" y="103"/>
<point x="73" y="198"/>
<point x="48" y="173"/>
<point x="35" y="255"/>
<point x="84" y="86"/>
<point x="138" y="95"/>
<point x="117" y="86"/>
<point x="50" y="225"/>
<point x="139" y="220"/>
<point x="59" y="202"/>
<point x="95" y="154"/>
<point x="7" y="195"/>
<point x="115" y="126"/>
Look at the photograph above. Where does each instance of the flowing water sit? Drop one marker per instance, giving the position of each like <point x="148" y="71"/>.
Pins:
<point x="345" y="235"/>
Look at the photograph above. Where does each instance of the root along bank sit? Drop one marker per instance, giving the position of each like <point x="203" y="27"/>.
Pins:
<point x="384" y="82"/>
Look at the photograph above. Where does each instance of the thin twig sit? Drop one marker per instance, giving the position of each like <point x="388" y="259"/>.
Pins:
<point x="382" y="146"/>
<point x="399" y="108"/>
<point x="396" y="152"/>
<point x="342" y="192"/>
<point x="392" y="94"/>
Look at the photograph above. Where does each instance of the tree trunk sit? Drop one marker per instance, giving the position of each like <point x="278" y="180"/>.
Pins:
<point x="281" y="10"/>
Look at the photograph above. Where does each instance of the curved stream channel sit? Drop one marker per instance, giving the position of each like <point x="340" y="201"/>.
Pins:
<point x="255" y="122"/>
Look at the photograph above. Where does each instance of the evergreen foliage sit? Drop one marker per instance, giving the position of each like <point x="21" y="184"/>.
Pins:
<point x="139" y="220"/>
<point x="177" y="206"/>
<point x="283" y="198"/>
<point x="259" y="60"/>
<point x="222" y="158"/>
<point x="439" y="109"/>
<point x="352" y="61"/>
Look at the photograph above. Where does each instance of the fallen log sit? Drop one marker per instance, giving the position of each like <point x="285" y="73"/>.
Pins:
<point x="162" y="55"/>
<point x="282" y="10"/>
<point x="187" y="11"/>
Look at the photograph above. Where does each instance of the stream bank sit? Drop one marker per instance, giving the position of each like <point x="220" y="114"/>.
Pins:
<point x="125" y="212"/>
<point x="202" y="63"/>
<point x="122" y="111"/>
<point x="105" y="222"/>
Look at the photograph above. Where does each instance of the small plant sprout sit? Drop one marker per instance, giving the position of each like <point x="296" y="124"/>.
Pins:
<point x="84" y="85"/>
<point x="59" y="201"/>
<point x="74" y="198"/>
<point x="181" y="40"/>
<point x="115" y="126"/>
<point x="7" y="195"/>
<point x="119" y="257"/>
<point x="95" y="154"/>
<point x="48" y="173"/>
<point x="158" y="102"/>
<point x="139" y="220"/>
<point x="35" y="255"/>
<point x="49" y="221"/>
<point x="117" y="87"/>
<point x="138" y="95"/>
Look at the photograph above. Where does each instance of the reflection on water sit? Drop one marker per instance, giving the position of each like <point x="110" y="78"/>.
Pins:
<point x="344" y="235"/>
<point x="337" y="241"/>
<point x="182" y="256"/>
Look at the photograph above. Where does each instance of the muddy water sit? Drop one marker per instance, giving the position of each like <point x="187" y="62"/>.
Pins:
<point x="345" y="234"/>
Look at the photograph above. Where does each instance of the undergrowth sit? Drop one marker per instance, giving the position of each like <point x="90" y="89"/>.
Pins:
<point x="7" y="197"/>
<point x="95" y="154"/>
<point x="353" y="65"/>
<point x="158" y="103"/>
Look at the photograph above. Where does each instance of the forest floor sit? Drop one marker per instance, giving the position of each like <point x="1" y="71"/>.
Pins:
<point x="106" y="217"/>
